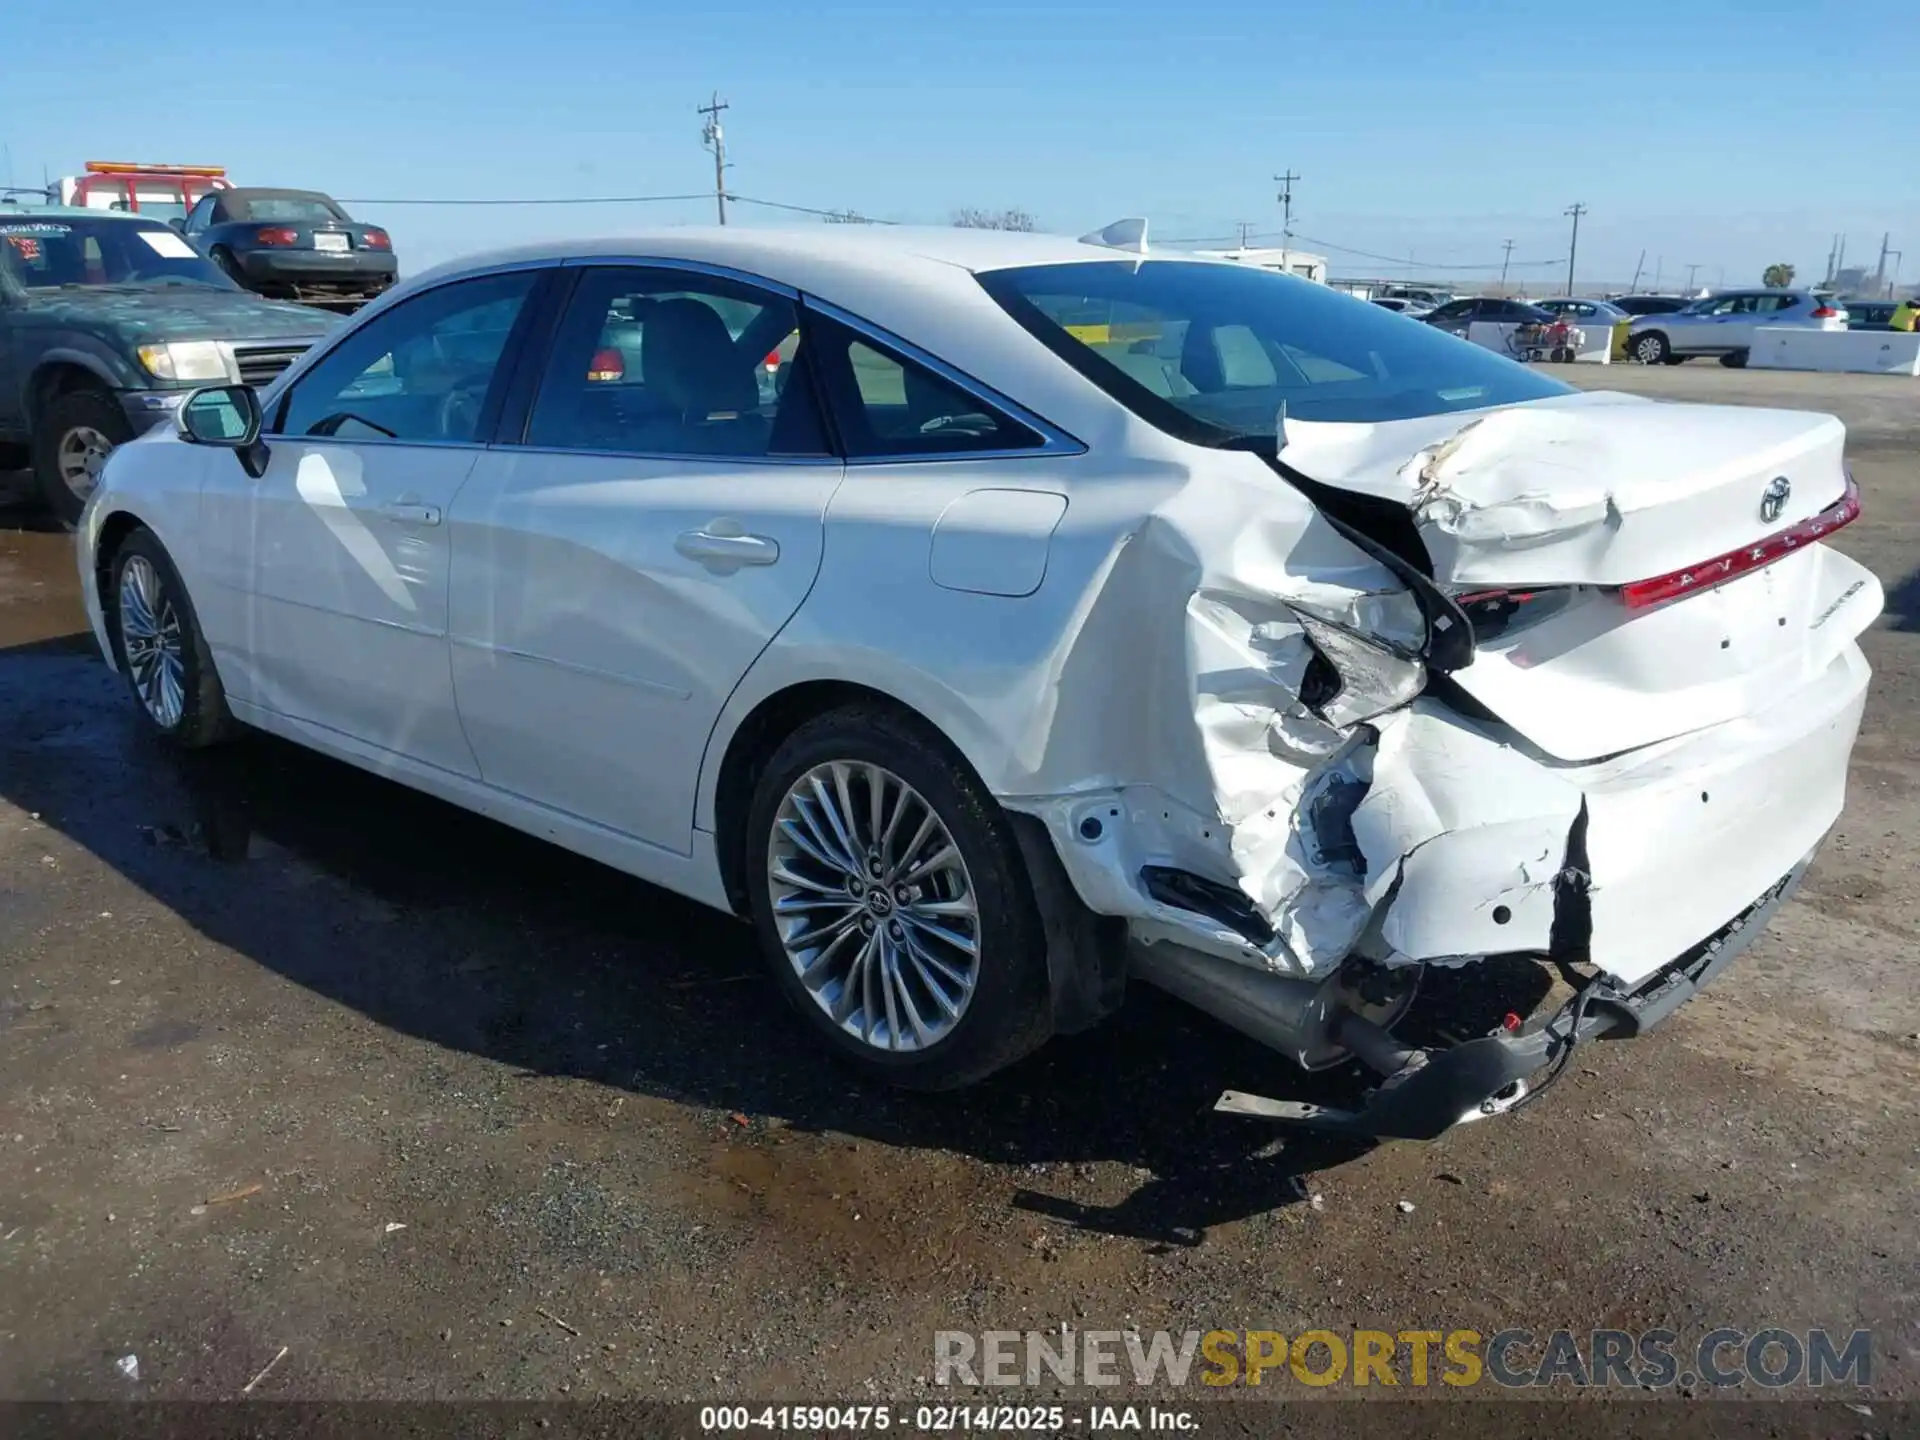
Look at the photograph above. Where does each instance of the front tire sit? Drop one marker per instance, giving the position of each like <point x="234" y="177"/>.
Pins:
<point x="1734" y="359"/>
<point x="1651" y="348"/>
<point x="160" y="649"/>
<point x="892" y="904"/>
<point x="71" y="442"/>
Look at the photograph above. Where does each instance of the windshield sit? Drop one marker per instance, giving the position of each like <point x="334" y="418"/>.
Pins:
<point x="1218" y="352"/>
<point x="58" y="251"/>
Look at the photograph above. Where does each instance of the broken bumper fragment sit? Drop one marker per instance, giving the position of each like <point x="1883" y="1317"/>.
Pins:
<point x="1431" y="1091"/>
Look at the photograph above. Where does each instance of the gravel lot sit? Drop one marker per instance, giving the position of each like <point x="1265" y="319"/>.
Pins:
<point x="290" y="1056"/>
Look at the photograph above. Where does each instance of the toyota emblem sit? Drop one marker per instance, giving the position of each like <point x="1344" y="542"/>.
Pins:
<point x="1773" y="501"/>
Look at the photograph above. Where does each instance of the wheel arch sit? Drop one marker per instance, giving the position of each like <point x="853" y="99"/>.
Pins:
<point x="58" y="373"/>
<point x="110" y="532"/>
<point x="1086" y="953"/>
<point x="751" y="743"/>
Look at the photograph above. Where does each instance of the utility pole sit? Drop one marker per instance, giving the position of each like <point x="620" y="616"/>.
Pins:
<point x="1576" y="210"/>
<point x="1286" y="207"/>
<point x="1690" y="273"/>
<point x="1505" y="258"/>
<point x="1246" y="228"/>
<point x="715" y="140"/>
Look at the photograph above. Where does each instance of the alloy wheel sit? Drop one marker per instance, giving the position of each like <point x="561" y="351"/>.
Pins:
<point x="874" y="905"/>
<point x="81" y="453"/>
<point x="152" y="642"/>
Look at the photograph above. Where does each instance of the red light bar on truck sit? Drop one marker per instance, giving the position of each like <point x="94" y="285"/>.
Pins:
<point x="1735" y="563"/>
<point x="123" y="167"/>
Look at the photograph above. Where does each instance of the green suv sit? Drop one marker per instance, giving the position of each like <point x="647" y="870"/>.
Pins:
<point x="108" y="321"/>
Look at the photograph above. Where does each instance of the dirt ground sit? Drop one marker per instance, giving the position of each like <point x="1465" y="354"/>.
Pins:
<point x="293" y="1057"/>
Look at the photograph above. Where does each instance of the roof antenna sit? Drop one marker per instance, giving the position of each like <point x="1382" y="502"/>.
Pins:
<point x="1129" y="235"/>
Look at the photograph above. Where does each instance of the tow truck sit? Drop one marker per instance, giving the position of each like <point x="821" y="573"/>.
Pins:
<point x="163" y="192"/>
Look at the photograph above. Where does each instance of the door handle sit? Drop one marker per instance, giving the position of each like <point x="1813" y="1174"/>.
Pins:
<point x="411" y="512"/>
<point x="723" y="547"/>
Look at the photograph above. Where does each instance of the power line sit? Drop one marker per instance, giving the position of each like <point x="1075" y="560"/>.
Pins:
<point x="539" y="200"/>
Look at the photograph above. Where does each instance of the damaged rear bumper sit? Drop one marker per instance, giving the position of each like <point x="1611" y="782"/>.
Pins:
<point x="1433" y="839"/>
<point x="1432" y="1091"/>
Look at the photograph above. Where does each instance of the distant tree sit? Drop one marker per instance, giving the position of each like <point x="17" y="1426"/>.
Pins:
<point x="974" y="218"/>
<point x="1777" y="277"/>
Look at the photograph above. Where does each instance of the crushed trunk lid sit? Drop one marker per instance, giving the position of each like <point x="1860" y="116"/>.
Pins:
<point x="1635" y="570"/>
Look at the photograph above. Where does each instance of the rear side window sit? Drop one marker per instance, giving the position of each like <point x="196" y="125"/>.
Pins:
<point x="888" y="405"/>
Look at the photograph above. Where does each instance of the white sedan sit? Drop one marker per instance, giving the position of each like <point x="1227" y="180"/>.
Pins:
<point x="995" y="619"/>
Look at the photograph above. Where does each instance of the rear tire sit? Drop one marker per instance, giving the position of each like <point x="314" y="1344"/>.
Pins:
<point x="159" y="647"/>
<point x="71" y="441"/>
<point x="1651" y="348"/>
<point x="914" y="949"/>
<point x="1735" y="359"/>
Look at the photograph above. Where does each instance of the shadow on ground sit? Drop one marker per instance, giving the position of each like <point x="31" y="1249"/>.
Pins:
<point x="450" y="928"/>
<point x="1903" y="602"/>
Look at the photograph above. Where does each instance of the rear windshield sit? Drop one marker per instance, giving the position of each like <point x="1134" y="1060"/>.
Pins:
<point x="314" y="209"/>
<point x="1215" y="352"/>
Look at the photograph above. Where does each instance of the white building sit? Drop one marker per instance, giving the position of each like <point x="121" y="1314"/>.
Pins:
<point x="1288" y="262"/>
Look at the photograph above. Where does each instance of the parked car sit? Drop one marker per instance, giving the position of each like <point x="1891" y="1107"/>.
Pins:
<point x="292" y="244"/>
<point x="1413" y="309"/>
<point x="1582" y="311"/>
<point x="1420" y="294"/>
<point x="1025" y="646"/>
<point x="1649" y="304"/>
<point x="1870" y="314"/>
<point x="1456" y="316"/>
<point x="1723" y="324"/>
<point x="106" y="322"/>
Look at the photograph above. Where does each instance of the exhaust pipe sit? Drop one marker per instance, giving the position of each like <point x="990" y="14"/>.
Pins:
<point x="1314" y="1023"/>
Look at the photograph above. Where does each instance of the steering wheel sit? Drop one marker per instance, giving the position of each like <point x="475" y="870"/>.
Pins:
<point x="972" y="423"/>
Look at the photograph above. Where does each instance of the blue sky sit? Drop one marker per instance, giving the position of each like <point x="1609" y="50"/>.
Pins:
<point x="1725" y="132"/>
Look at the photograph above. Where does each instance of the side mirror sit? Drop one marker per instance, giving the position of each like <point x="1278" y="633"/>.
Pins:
<point x="177" y="223"/>
<point x="227" y="416"/>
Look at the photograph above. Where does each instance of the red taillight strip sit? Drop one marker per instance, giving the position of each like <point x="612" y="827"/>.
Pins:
<point x="1735" y="563"/>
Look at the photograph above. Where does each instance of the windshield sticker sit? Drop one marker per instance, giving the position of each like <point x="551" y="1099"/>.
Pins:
<point x="168" y="244"/>
<point x="38" y="227"/>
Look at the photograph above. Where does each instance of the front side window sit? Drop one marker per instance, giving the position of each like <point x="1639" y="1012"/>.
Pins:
<point x="664" y="362"/>
<point x="1327" y="356"/>
<point x="70" y="250"/>
<point x="423" y="371"/>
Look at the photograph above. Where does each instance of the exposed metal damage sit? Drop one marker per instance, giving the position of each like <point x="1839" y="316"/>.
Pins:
<point x="1352" y="822"/>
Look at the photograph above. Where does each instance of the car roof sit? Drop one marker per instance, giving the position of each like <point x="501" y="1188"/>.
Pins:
<point x="75" y="212"/>
<point x="776" y="251"/>
<point x="268" y="192"/>
<point x="914" y="283"/>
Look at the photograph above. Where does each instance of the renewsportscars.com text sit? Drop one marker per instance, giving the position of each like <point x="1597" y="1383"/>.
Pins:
<point x="1769" y="1358"/>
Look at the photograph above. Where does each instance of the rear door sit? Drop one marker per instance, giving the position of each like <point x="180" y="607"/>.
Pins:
<point x="647" y="525"/>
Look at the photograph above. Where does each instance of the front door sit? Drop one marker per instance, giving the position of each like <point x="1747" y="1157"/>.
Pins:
<point x="334" y="563"/>
<point x="619" y="567"/>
